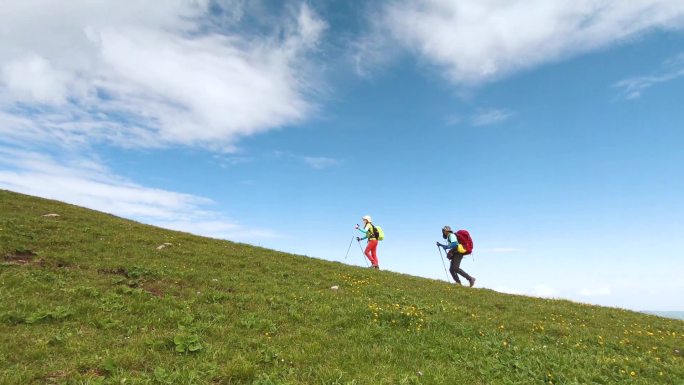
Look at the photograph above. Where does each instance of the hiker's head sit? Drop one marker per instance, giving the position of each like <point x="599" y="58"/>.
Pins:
<point x="445" y="231"/>
<point x="367" y="219"/>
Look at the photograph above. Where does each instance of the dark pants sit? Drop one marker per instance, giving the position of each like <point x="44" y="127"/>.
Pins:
<point x="455" y="268"/>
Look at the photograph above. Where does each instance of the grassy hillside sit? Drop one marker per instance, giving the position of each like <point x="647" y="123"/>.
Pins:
<point x="89" y="298"/>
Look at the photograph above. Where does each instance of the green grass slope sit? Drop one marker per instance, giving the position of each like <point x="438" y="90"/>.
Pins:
<point x="89" y="298"/>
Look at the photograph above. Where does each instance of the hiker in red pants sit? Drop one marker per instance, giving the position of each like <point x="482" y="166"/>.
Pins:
<point x="455" y="255"/>
<point x="370" y="233"/>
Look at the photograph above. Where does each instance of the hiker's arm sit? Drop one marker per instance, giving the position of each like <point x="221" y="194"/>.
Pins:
<point x="448" y="246"/>
<point x="451" y="243"/>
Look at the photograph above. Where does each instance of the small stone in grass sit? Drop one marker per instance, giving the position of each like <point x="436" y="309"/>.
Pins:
<point x="163" y="245"/>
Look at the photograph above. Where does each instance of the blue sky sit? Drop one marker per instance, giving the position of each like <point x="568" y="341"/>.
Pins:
<point x="551" y="130"/>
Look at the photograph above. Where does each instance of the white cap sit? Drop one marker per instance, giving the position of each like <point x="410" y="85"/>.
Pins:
<point x="367" y="218"/>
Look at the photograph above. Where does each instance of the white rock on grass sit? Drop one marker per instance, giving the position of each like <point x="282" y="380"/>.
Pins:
<point x="334" y="287"/>
<point x="163" y="245"/>
<point x="51" y="215"/>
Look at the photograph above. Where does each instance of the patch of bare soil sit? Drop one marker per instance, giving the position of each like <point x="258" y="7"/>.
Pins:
<point x="20" y="257"/>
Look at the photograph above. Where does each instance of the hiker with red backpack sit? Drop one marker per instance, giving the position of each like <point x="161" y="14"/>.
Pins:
<point x="459" y="244"/>
<point x="372" y="233"/>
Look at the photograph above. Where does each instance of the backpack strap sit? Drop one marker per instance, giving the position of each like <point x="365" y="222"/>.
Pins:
<point x="374" y="232"/>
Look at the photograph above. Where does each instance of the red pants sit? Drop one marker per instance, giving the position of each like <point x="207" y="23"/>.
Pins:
<point x="371" y="252"/>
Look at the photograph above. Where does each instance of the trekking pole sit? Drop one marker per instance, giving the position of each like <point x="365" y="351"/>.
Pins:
<point x="349" y="248"/>
<point x="442" y="258"/>
<point x="362" y="253"/>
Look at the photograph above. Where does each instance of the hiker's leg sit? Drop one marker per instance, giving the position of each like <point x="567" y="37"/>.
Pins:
<point x="455" y="262"/>
<point x="368" y="252"/>
<point x="459" y="257"/>
<point x="464" y="274"/>
<point x="373" y="245"/>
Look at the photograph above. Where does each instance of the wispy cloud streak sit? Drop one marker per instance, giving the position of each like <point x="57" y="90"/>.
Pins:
<point x="86" y="182"/>
<point x="491" y="117"/>
<point x="633" y="88"/>
<point x="320" y="162"/>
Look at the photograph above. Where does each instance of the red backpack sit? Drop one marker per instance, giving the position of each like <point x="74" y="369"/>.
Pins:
<point x="463" y="237"/>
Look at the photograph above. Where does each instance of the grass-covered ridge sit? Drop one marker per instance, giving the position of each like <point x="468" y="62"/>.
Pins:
<point x="87" y="297"/>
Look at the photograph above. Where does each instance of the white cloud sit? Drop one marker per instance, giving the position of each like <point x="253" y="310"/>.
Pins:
<point x="540" y="290"/>
<point x="33" y="79"/>
<point x="320" y="162"/>
<point x="593" y="292"/>
<point x="490" y="117"/>
<point x="87" y="183"/>
<point x="310" y="27"/>
<point x="483" y="117"/>
<point x="218" y="229"/>
<point x="507" y="290"/>
<point x="226" y="161"/>
<point x="543" y="290"/>
<point x="632" y="88"/>
<point x="475" y="41"/>
<point x="150" y="73"/>
<point x="317" y="162"/>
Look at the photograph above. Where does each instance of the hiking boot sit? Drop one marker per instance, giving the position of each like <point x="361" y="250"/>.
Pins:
<point x="472" y="281"/>
<point x="377" y="267"/>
